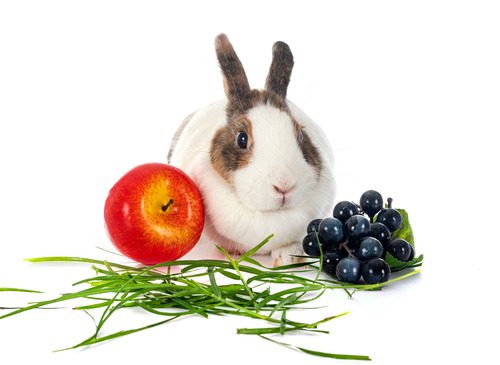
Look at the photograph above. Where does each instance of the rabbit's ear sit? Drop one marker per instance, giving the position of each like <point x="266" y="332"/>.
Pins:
<point x="280" y="70"/>
<point x="235" y="80"/>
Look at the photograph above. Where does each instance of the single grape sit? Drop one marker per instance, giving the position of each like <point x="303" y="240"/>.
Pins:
<point x="348" y="270"/>
<point x="375" y="271"/>
<point x="344" y="210"/>
<point x="371" y="202"/>
<point x="369" y="248"/>
<point x="331" y="232"/>
<point x="391" y="218"/>
<point x="400" y="249"/>
<point x="412" y="253"/>
<point x="313" y="225"/>
<point x="310" y="244"/>
<point x="380" y="232"/>
<point x="356" y="227"/>
<point x="331" y="259"/>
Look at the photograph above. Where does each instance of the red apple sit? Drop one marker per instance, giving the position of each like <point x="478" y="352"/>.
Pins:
<point x="154" y="213"/>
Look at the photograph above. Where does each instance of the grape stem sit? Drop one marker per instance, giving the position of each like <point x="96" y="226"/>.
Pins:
<point x="360" y="210"/>
<point x="345" y="246"/>
<point x="389" y="202"/>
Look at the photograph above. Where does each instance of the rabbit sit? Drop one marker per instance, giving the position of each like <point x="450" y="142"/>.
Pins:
<point x="261" y="164"/>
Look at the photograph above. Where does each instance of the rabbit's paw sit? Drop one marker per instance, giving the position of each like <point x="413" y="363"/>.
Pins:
<point x="286" y="255"/>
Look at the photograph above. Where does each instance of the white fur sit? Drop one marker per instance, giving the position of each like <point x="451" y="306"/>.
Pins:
<point x="241" y="213"/>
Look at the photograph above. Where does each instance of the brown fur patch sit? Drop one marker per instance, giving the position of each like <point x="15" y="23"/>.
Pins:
<point x="310" y="152"/>
<point x="225" y="155"/>
<point x="235" y="80"/>
<point x="256" y="97"/>
<point x="280" y="71"/>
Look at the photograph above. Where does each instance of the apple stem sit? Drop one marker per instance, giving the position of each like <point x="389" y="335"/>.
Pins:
<point x="165" y="207"/>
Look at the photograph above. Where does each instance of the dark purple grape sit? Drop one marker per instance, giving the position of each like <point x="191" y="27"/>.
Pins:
<point x="345" y="210"/>
<point x="356" y="227"/>
<point x="380" y="232"/>
<point x="375" y="271"/>
<point x="331" y="259"/>
<point x="371" y="202"/>
<point x="412" y="253"/>
<point x="331" y="232"/>
<point x="400" y="249"/>
<point x="391" y="218"/>
<point x="348" y="270"/>
<point x="310" y="244"/>
<point x="369" y="248"/>
<point x="313" y="225"/>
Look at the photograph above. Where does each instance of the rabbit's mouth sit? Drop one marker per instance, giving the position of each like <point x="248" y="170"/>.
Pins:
<point x="284" y="195"/>
<point x="284" y="200"/>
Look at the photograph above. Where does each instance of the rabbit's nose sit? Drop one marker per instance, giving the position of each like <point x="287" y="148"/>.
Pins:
<point x="282" y="180"/>
<point x="283" y="189"/>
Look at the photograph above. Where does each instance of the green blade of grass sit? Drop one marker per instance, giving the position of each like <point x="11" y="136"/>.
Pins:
<point x="281" y="278"/>
<point x="276" y="330"/>
<point x="213" y="282"/>
<point x="109" y="251"/>
<point x="115" y="335"/>
<point x="78" y="259"/>
<point x="188" y="310"/>
<point x="299" y="289"/>
<point x="282" y="328"/>
<point x="235" y="265"/>
<point x="254" y="249"/>
<point x="279" y="268"/>
<point x="318" y="353"/>
<point x="283" y="321"/>
<point x="228" y="274"/>
<point x="21" y="290"/>
<point x="283" y="302"/>
<point x="263" y="294"/>
<point x="64" y="297"/>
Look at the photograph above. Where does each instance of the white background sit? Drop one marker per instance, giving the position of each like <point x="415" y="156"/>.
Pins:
<point x="408" y="94"/>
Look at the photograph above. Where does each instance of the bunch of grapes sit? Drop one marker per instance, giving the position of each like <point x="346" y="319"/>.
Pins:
<point x="354" y="246"/>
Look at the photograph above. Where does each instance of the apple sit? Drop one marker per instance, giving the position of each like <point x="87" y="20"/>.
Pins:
<point x="154" y="213"/>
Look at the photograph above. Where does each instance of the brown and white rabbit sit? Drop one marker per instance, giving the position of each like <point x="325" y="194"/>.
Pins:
<point x="261" y="164"/>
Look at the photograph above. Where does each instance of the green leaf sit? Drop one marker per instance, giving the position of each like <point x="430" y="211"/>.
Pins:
<point x="405" y="232"/>
<point x="416" y="262"/>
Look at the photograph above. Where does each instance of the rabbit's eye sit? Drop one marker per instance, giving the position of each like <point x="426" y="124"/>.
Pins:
<point x="242" y="140"/>
<point x="300" y="137"/>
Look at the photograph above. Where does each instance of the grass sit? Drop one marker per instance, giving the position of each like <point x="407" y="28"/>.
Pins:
<point x="250" y="289"/>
